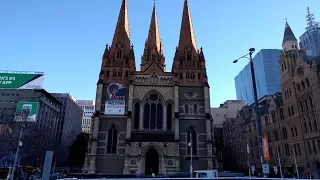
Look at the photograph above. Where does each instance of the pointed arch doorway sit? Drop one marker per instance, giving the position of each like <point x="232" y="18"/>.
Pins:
<point x="152" y="160"/>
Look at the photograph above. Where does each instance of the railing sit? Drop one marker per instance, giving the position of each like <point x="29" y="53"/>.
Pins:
<point x="217" y="178"/>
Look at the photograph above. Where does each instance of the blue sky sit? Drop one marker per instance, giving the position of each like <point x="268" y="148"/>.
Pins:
<point x="66" y="38"/>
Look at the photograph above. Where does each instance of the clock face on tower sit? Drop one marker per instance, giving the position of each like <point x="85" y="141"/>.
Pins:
<point x="300" y="71"/>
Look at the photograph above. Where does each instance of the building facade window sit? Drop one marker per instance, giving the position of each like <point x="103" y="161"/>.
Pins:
<point x="186" y="108"/>
<point x="112" y="140"/>
<point x="153" y="112"/>
<point x="119" y="54"/>
<point x="136" y="119"/>
<point x="195" y="109"/>
<point x="169" y="117"/>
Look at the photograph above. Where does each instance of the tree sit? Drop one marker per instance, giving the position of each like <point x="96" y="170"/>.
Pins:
<point x="35" y="141"/>
<point x="8" y="137"/>
<point x="78" y="150"/>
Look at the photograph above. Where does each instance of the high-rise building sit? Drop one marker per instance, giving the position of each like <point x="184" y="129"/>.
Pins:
<point x="267" y="74"/>
<point x="151" y="121"/>
<point x="310" y="40"/>
<point x="88" y="109"/>
<point x="70" y="118"/>
<point x="43" y="127"/>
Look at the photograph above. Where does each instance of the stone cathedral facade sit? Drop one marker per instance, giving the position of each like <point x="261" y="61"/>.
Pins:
<point x="144" y="120"/>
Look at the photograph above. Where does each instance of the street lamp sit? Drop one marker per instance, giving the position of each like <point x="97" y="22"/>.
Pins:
<point x="256" y="105"/>
<point x="23" y="120"/>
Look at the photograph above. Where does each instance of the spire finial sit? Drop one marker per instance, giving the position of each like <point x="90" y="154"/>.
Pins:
<point x="154" y="2"/>
<point x="310" y="20"/>
<point x="286" y="19"/>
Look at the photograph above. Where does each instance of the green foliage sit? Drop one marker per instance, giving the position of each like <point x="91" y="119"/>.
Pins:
<point x="78" y="150"/>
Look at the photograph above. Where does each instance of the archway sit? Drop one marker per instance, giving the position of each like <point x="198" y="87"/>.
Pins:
<point x="152" y="162"/>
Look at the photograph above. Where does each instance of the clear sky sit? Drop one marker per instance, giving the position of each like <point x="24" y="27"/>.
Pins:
<point x="65" y="39"/>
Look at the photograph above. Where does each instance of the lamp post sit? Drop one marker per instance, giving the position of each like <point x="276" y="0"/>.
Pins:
<point x="24" y="117"/>
<point x="17" y="151"/>
<point x="191" y="163"/>
<point x="256" y="105"/>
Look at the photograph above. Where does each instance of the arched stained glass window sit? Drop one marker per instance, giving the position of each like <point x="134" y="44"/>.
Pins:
<point x="153" y="112"/>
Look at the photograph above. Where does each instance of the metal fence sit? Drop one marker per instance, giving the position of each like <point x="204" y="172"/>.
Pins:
<point x="222" y="178"/>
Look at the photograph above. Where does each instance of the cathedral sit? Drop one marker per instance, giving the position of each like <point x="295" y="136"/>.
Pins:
<point x="151" y="121"/>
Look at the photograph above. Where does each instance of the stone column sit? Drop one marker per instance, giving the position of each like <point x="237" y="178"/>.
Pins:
<point x="141" y="117"/>
<point x="206" y="99"/>
<point x="128" y="131"/>
<point x="130" y="98"/>
<point x="176" y="110"/>
<point x="164" y="114"/>
<point x="126" y="160"/>
<point x="129" y="119"/>
<point x="207" y="111"/>
<point x="208" y="126"/>
<point x="95" y="129"/>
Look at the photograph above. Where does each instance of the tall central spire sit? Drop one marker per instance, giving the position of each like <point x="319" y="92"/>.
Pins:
<point x="153" y="52"/>
<point x="153" y="40"/>
<point x="122" y="31"/>
<point x="187" y="37"/>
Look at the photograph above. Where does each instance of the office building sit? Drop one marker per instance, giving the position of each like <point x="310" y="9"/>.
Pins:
<point x="267" y="74"/>
<point x="39" y="135"/>
<point x="228" y="109"/>
<point x="310" y="40"/>
<point x="88" y="109"/>
<point x="70" y="118"/>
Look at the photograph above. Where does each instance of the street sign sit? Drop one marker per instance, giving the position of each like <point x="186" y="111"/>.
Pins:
<point x="275" y="169"/>
<point x="253" y="169"/>
<point x="265" y="168"/>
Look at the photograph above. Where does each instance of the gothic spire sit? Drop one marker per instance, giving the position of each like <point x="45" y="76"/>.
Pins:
<point x="311" y="20"/>
<point x="187" y="37"/>
<point x="153" y="52"/>
<point x="288" y="34"/>
<point x="153" y="40"/>
<point x="122" y="32"/>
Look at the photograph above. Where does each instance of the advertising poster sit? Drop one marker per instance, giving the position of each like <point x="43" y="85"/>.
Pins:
<point x="26" y="111"/>
<point x="21" y="81"/>
<point x="265" y="147"/>
<point x="116" y="99"/>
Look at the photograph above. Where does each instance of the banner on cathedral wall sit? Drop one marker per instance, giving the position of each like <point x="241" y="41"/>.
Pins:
<point x="116" y="99"/>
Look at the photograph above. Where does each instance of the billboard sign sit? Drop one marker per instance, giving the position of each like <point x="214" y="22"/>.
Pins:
<point x="26" y="111"/>
<point x="21" y="81"/>
<point x="116" y="99"/>
<point x="265" y="147"/>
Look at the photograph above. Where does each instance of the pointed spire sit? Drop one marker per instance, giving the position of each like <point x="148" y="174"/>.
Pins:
<point x="122" y="31"/>
<point x="187" y="37"/>
<point x="311" y="20"/>
<point x="153" y="39"/>
<point x="288" y="34"/>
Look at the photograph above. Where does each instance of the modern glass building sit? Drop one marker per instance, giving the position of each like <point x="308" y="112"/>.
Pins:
<point x="267" y="74"/>
<point x="310" y="40"/>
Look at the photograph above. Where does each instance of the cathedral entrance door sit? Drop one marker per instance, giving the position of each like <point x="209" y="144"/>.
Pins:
<point x="152" y="162"/>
